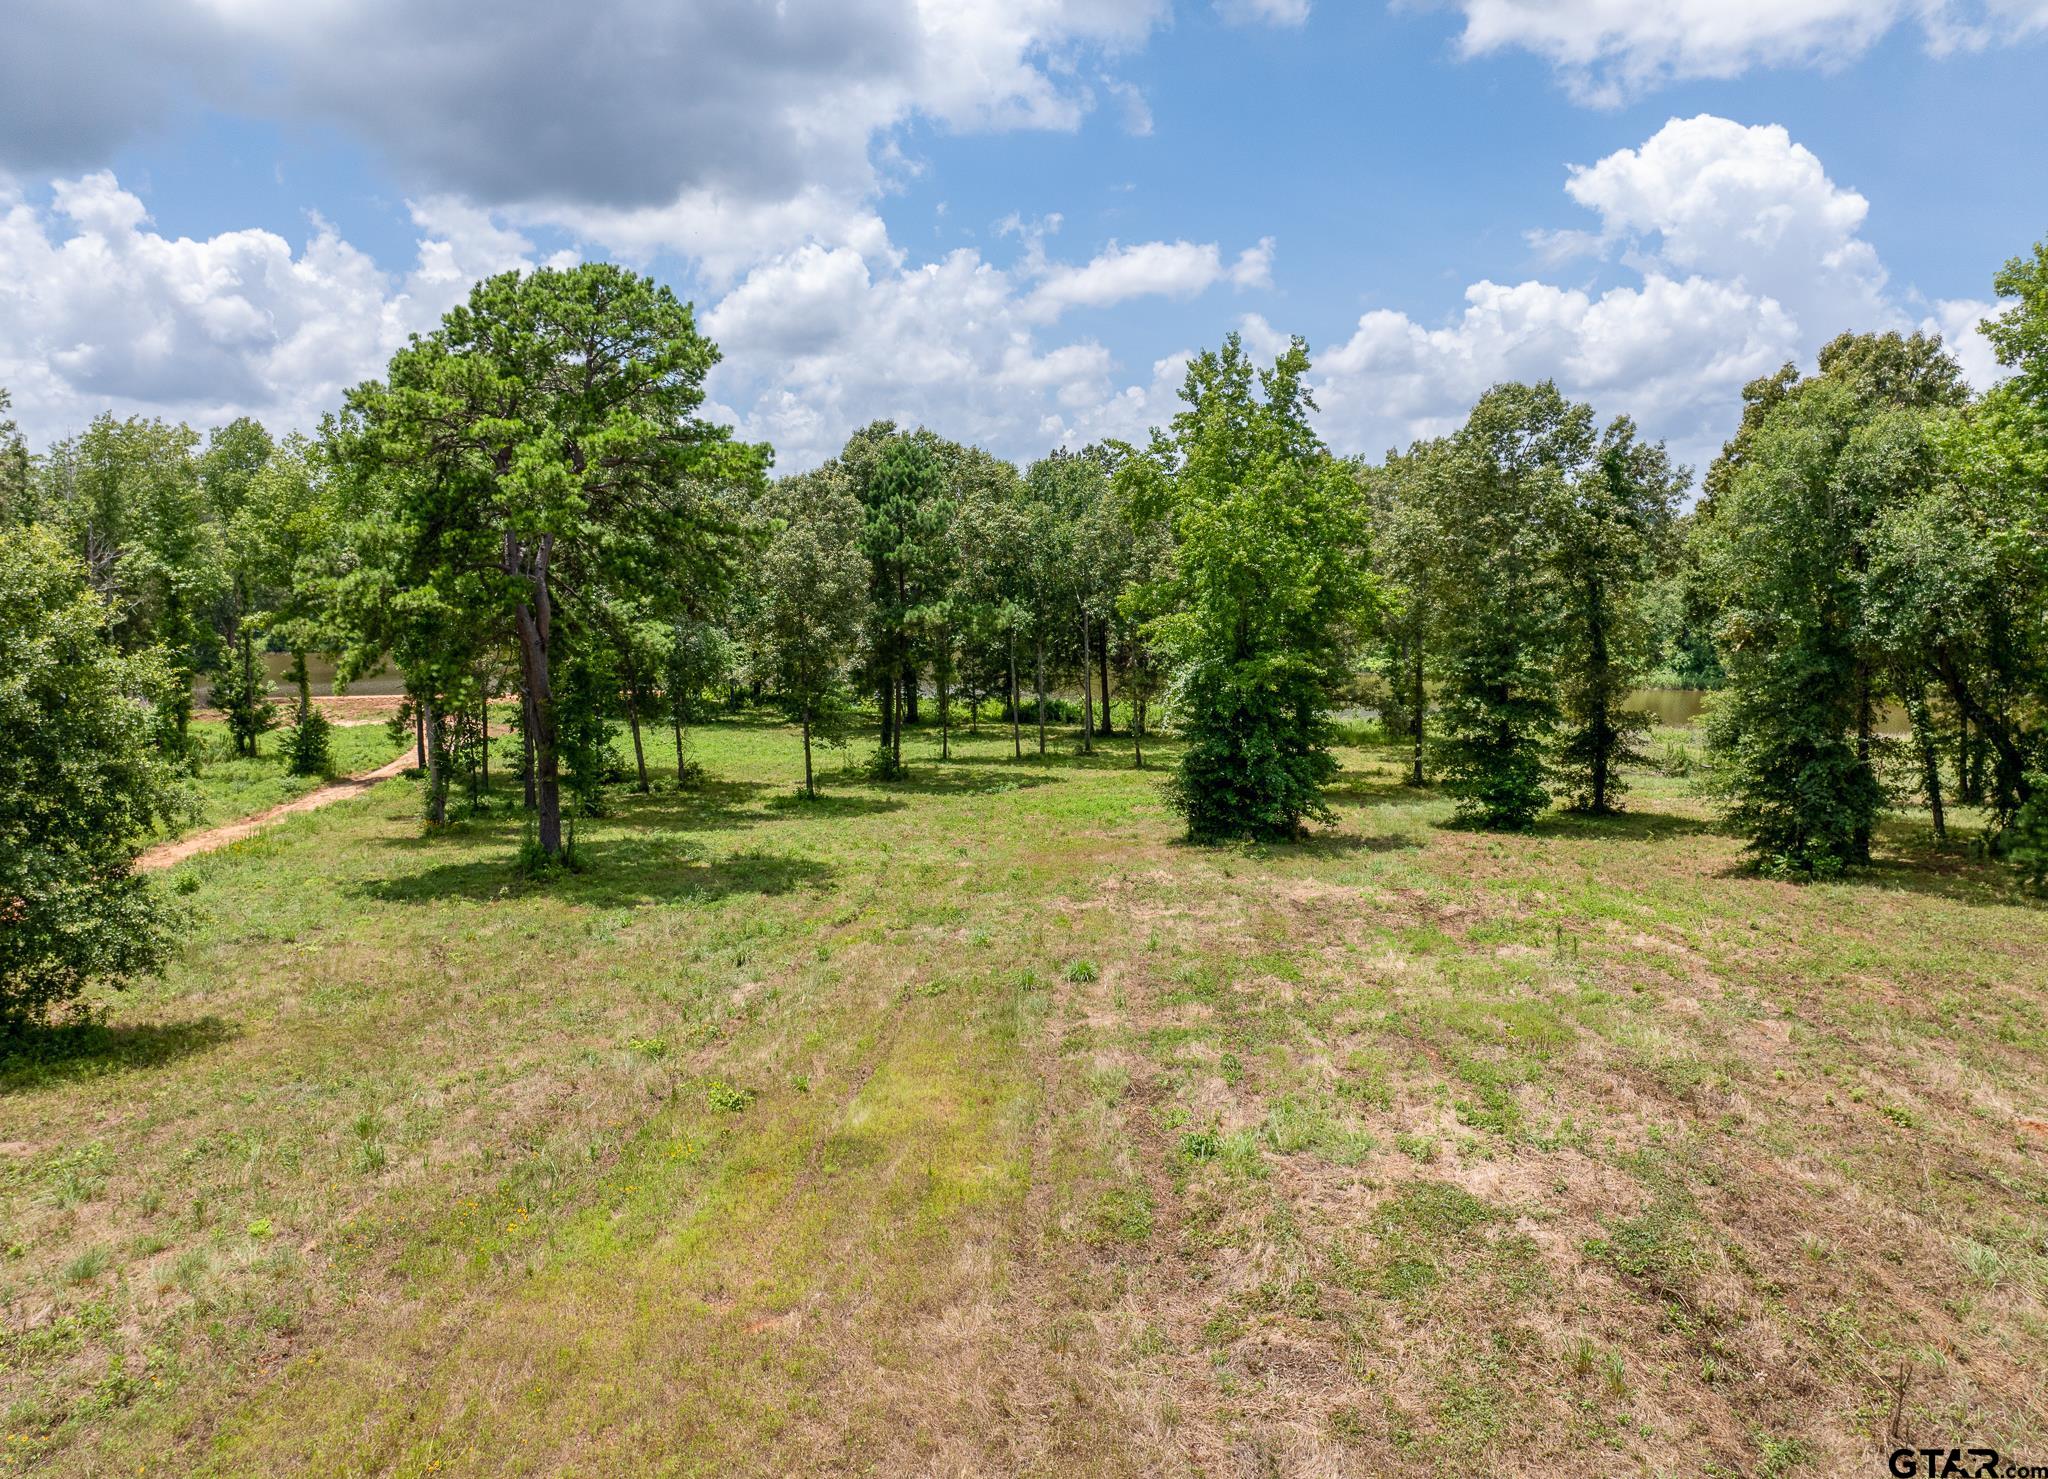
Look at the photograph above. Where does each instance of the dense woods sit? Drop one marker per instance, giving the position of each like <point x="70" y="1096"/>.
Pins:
<point x="531" y="511"/>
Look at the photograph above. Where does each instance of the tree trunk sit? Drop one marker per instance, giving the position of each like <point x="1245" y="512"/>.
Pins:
<point x="1930" y="761"/>
<point x="305" y="681"/>
<point x="535" y="623"/>
<point x="1861" y="840"/>
<point x="249" y="688"/>
<point x="1138" y="729"/>
<point x="1603" y="735"/>
<point x="676" y="724"/>
<point x="484" y="712"/>
<point x="885" y="700"/>
<point x="810" y="785"/>
<point x="419" y="736"/>
<point x="909" y="694"/>
<point x="437" y="762"/>
<point x="1041" y="695"/>
<point x="639" y="754"/>
<point x="1416" y="777"/>
<point x="941" y="670"/>
<point x="1016" y="718"/>
<point x="1087" y="692"/>
<point x="526" y="775"/>
<point x="1102" y="659"/>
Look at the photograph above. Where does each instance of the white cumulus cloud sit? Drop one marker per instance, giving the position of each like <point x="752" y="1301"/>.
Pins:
<point x="1608" y="51"/>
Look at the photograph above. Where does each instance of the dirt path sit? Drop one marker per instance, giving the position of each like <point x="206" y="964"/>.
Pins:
<point x="164" y="854"/>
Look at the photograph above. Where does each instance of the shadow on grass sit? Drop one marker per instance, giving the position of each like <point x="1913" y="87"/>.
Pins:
<point x="31" y="1058"/>
<point x="610" y="871"/>
<point x="1911" y="861"/>
<point x="1345" y="844"/>
<point x="1631" y="825"/>
<point x="711" y="805"/>
<point x="831" y="804"/>
<point x="967" y="777"/>
<point x="708" y="806"/>
<point x="1354" y="788"/>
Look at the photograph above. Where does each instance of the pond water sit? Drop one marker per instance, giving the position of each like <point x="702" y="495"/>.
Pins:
<point x="279" y="666"/>
<point x="1683" y="705"/>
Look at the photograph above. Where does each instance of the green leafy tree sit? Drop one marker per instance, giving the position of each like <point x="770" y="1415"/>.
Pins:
<point x="235" y="455"/>
<point x="1053" y="492"/>
<point x="291" y="528"/>
<point x="1406" y="551"/>
<point x="18" y="501"/>
<point x="81" y="779"/>
<point x="1146" y="597"/>
<point x="1270" y="588"/>
<point x="1496" y="494"/>
<point x="813" y="580"/>
<point x="1613" y="536"/>
<point x="1788" y="551"/>
<point x="127" y="497"/>
<point x="903" y="498"/>
<point x="700" y="655"/>
<point x="558" y="414"/>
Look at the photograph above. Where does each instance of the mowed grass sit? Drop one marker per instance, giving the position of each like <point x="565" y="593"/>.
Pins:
<point x="227" y="785"/>
<point x="976" y="1124"/>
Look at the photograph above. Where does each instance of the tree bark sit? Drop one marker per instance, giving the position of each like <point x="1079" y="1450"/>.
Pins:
<point x="1041" y="695"/>
<point x="526" y="776"/>
<point x="534" y="620"/>
<point x="1138" y="729"/>
<point x="1416" y="778"/>
<point x="249" y="688"/>
<point x="1930" y="761"/>
<point x="1603" y="737"/>
<point x="810" y="786"/>
<point x="639" y="754"/>
<point x="1016" y="718"/>
<point x="885" y="700"/>
<point x="942" y="671"/>
<point x="1861" y="836"/>
<point x="437" y="762"/>
<point x="1102" y="659"/>
<point x="1087" y="692"/>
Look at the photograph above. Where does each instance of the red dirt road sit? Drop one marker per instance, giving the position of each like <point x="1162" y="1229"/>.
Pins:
<point x="164" y="854"/>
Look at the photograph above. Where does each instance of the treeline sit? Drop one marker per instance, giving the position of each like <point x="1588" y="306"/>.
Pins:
<point x="531" y="507"/>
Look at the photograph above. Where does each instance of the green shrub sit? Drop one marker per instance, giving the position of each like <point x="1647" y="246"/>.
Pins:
<point x="1257" y="749"/>
<point x="308" y="745"/>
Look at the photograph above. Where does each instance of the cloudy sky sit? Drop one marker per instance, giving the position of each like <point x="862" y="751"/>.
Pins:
<point x="1013" y="219"/>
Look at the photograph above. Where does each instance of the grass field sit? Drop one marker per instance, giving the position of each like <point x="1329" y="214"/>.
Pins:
<point x="976" y="1124"/>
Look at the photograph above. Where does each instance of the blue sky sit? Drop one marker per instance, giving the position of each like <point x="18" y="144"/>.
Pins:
<point x="1011" y="218"/>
